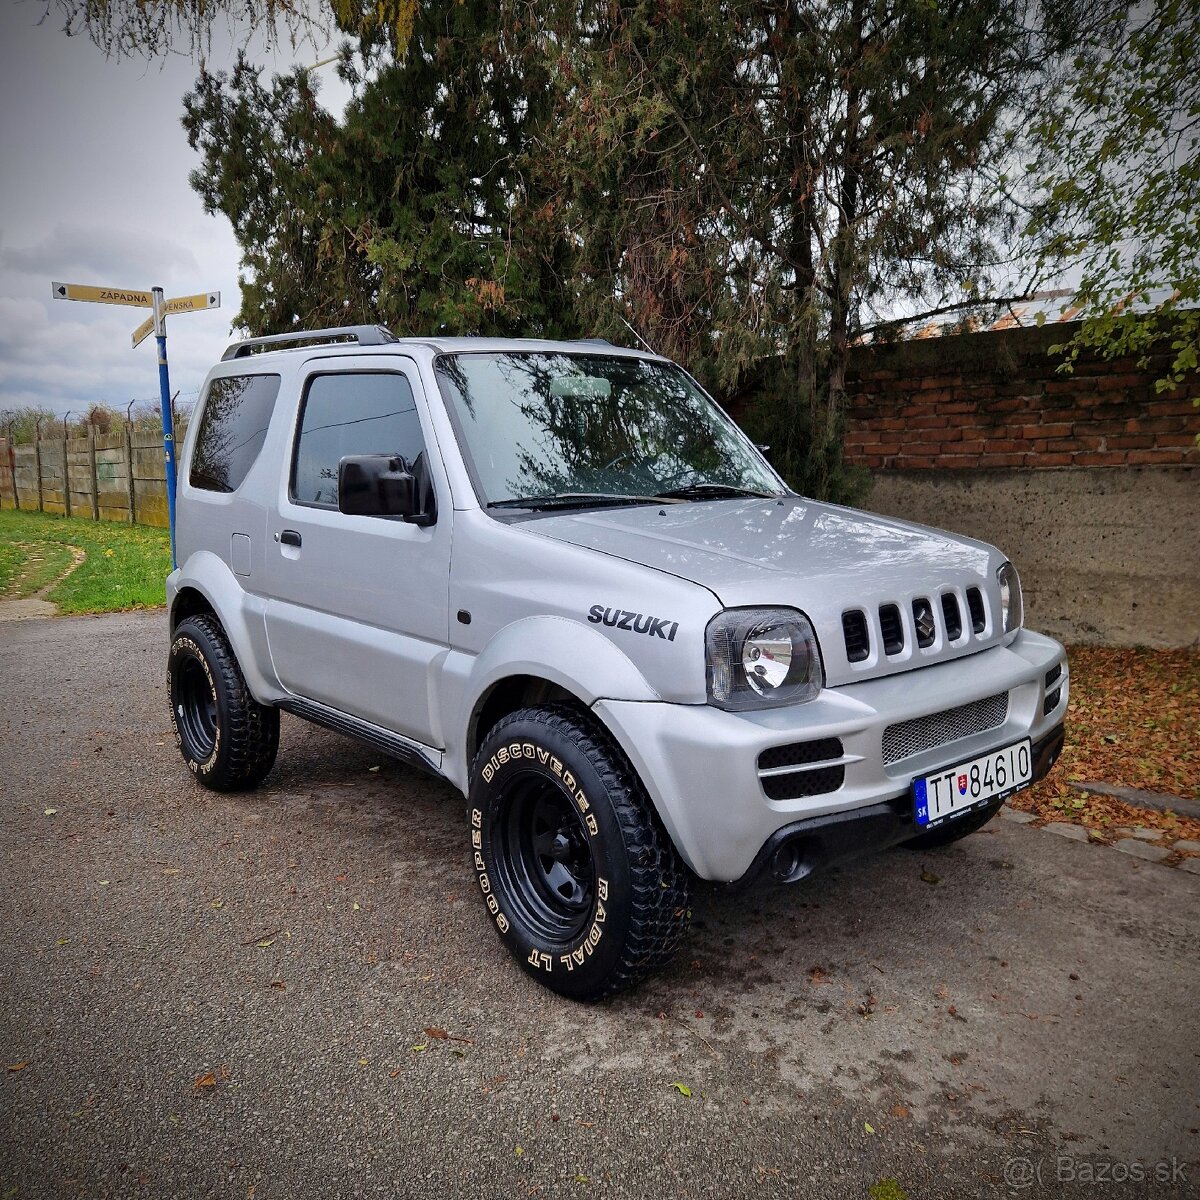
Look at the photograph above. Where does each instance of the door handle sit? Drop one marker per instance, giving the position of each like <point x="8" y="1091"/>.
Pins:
<point x="289" y="537"/>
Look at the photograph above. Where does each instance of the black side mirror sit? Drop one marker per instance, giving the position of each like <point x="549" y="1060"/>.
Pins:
<point x="380" y="485"/>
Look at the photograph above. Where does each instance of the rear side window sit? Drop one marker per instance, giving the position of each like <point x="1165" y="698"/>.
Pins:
<point x="233" y="427"/>
<point x="352" y="413"/>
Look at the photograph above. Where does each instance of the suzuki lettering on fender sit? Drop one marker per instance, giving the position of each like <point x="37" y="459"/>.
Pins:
<point x="635" y="622"/>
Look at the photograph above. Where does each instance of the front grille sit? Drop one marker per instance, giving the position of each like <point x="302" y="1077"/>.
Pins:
<point x="854" y="630"/>
<point x="952" y="615"/>
<point x="812" y="772"/>
<point x="907" y="738"/>
<point x="923" y="622"/>
<point x="975" y="604"/>
<point x="892" y="630"/>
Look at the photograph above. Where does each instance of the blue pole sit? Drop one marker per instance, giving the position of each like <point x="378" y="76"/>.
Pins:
<point x="168" y="422"/>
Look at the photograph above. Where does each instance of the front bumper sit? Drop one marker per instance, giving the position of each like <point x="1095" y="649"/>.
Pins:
<point x="701" y="764"/>
<point x="798" y="850"/>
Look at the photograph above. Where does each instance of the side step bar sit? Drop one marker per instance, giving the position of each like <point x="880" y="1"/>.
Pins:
<point x="405" y="749"/>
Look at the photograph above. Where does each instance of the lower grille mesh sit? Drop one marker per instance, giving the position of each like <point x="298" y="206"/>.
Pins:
<point x="907" y="738"/>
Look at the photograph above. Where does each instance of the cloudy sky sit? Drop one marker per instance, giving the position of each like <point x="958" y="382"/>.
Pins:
<point x="94" y="190"/>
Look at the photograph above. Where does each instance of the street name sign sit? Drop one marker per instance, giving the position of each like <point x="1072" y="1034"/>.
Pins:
<point x="102" y="295"/>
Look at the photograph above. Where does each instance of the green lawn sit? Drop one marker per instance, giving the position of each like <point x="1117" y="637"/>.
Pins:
<point x="126" y="566"/>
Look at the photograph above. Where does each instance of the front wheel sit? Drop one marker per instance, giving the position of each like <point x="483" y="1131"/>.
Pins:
<point x="580" y="879"/>
<point x="228" y="740"/>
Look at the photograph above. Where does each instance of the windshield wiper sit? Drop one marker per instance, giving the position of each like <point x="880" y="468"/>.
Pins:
<point x="699" y="491"/>
<point x="579" y="500"/>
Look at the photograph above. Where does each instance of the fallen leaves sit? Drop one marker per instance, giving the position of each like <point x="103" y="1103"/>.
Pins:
<point x="207" y="1080"/>
<point x="263" y="940"/>
<point x="682" y="1088"/>
<point x="1134" y="720"/>
<point x="927" y="876"/>
<point x="49" y="812"/>
<point x="13" y="1068"/>
<point x="440" y="1035"/>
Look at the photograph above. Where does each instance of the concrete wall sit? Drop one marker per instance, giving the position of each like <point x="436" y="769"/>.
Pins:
<point x="1090" y="482"/>
<point x="1105" y="555"/>
<point x="98" y="470"/>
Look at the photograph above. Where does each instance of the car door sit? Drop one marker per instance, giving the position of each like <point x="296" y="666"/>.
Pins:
<point x="356" y="605"/>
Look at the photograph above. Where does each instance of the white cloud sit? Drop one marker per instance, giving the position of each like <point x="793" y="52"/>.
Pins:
<point x="94" y="189"/>
<point x="100" y="254"/>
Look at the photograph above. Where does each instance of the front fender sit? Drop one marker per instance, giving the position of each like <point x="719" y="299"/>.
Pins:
<point x="558" y="650"/>
<point x="242" y="616"/>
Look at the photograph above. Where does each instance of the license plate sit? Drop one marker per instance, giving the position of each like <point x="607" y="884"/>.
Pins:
<point x="954" y="790"/>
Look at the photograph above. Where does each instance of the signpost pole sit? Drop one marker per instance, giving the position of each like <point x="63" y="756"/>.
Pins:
<point x="168" y="423"/>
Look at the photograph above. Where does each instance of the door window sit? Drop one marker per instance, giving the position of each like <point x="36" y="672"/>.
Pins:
<point x="233" y="427"/>
<point x="351" y="413"/>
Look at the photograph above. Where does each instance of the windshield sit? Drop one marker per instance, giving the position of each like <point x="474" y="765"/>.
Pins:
<point x="545" y="430"/>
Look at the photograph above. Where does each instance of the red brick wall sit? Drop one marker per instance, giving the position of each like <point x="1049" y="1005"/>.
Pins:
<point x="996" y="400"/>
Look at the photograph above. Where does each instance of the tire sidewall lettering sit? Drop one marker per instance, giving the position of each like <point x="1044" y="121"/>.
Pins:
<point x="182" y="646"/>
<point x="519" y="755"/>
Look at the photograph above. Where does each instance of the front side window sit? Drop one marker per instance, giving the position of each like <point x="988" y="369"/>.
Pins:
<point x="233" y="427"/>
<point x="351" y="413"/>
<point x="552" y="430"/>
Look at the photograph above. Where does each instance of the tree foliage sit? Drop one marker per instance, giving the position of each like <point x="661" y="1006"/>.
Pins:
<point x="740" y="182"/>
<point x="415" y="209"/>
<point x="152" y="28"/>
<point x="1120" y="164"/>
<point x="747" y="180"/>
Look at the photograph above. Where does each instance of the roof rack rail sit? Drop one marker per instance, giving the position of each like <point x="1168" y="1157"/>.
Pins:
<point x="364" y="335"/>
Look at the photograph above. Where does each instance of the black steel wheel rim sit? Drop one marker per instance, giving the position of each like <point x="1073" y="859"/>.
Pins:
<point x="196" y="708"/>
<point x="544" y="858"/>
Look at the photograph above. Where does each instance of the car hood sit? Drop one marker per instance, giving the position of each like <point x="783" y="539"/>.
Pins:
<point x="799" y="553"/>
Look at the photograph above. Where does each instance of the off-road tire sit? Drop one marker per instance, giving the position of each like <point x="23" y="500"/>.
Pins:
<point x="953" y="831"/>
<point x="228" y="740"/>
<point x="560" y="761"/>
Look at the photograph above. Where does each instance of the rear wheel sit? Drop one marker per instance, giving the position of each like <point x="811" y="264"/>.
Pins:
<point x="581" y="880"/>
<point x="228" y="740"/>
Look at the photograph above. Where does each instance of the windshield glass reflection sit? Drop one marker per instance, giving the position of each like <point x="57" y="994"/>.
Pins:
<point x="579" y="428"/>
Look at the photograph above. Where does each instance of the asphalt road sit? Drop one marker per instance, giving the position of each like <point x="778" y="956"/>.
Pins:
<point x="1035" y="1006"/>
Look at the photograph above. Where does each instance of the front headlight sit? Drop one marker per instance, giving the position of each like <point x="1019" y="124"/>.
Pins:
<point x="1012" y="606"/>
<point x="761" y="658"/>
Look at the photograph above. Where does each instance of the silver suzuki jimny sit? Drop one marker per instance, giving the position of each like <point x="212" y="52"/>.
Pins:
<point x="558" y="576"/>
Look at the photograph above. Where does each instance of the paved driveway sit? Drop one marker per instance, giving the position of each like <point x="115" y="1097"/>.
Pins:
<point x="1034" y="1010"/>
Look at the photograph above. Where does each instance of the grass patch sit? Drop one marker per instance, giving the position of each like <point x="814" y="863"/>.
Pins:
<point x="126" y="565"/>
<point x="27" y="568"/>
